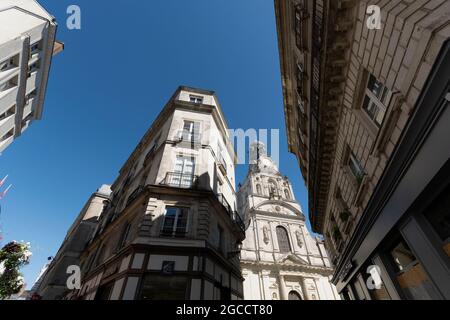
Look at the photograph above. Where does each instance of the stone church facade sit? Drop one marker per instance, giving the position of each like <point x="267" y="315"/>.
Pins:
<point x="280" y="260"/>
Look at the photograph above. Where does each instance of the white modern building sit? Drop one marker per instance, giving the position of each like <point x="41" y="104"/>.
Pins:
<point x="27" y="44"/>
<point x="280" y="260"/>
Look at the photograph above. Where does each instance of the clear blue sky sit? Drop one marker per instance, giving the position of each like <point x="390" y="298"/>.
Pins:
<point x="110" y="83"/>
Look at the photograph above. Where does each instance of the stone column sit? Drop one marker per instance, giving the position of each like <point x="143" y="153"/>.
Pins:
<point x="283" y="290"/>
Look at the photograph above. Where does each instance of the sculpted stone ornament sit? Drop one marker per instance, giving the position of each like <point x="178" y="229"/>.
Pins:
<point x="299" y="238"/>
<point x="266" y="235"/>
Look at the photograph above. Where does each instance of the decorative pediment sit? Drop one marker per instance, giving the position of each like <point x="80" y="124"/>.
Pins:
<point x="279" y="207"/>
<point x="292" y="259"/>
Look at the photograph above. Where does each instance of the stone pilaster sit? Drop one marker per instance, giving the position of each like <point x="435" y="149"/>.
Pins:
<point x="146" y="224"/>
<point x="203" y="220"/>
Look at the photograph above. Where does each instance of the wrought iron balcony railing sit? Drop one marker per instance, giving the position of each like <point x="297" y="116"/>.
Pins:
<point x="233" y="214"/>
<point x="180" y="180"/>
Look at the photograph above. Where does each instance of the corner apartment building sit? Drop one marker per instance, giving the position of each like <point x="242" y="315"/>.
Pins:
<point x="52" y="282"/>
<point x="171" y="230"/>
<point x="27" y="44"/>
<point x="367" y="117"/>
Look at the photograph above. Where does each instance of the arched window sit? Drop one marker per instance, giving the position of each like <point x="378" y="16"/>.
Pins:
<point x="283" y="240"/>
<point x="287" y="194"/>
<point x="293" y="295"/>
<point x="258" y="189"/>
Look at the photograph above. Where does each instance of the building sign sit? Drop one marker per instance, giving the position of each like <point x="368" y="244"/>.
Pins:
<point x="168" y="267"/>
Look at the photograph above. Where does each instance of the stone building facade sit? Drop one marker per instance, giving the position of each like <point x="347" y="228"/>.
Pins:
<point x="280" y="260"/>
<point x="52" y="282"/>
<point x="364" y="107"/>
<point x="171" y="229"/>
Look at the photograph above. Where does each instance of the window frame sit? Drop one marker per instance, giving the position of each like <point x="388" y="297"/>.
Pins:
<point x="281" y="246"/>
<point x="174" y="232"/>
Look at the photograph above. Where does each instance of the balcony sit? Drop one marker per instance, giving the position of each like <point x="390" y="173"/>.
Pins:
<point x="180" y="180"/>
<point x="234" y="216"/>
<point x="222" y="165"/>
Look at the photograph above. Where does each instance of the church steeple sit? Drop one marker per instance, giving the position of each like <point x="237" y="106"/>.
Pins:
<point x="277" y="241"/>
<point x="264" y="182"/>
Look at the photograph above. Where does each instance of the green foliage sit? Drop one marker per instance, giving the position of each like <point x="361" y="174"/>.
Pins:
<point x="13" y="256"/>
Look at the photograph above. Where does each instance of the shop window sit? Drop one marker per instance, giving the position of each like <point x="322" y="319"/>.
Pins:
<point x="175" y="287"/>
<point x="374" y="283"/>
<point x="410" y="275"/>
<point x="104" y="292"/>
<point x="438" y="215"/>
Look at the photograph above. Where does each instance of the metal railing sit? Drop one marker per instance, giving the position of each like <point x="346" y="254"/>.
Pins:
<point x="180" y="180"/>
<point x="233" y="214"/>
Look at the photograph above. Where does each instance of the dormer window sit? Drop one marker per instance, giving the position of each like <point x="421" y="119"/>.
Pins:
<point x="196" y="99"/>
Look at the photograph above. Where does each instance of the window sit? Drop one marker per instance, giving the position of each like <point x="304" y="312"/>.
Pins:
<point x="175" y="222"/>
<point x="258" y="189"/>
<point x="8" y="135"/>
<point x="283" y="240"/>
<point x="410" y="275"/>
<point x="35" y="47"/>
<point x="8" y="113"/>
<point x="30" y="96"/>
<point x="287" y="194"/>
<point x="175" y="287"/>
<point x="221" y="241"/>
<point x="7" y="64"/>
<point x="33" y="68"/>
<point x="183" y="176"/>
<point x="355" y="167"/>
<point x="9" y="84"/>
<point x="376" y="100"/>
<point x="124" y="236"/>
<point x="196" y="99"/>
<point x="191" y="131"/>
<point x="438" y="216"/>
<point x="293" y="295"/>
<point x="104" y="292"/>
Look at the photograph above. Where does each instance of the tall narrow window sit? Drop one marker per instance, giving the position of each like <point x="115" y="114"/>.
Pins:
<point x="376" y="100"/>
<point x="355" y="167"/>
<point x="287" y="194"/>
<point x="258" y="189"/>
<point x="283" y="240"/>
<point x="221" y="241"/>
<point x="191" y="131"/>
<point x="124" y="236"/>
<point x="175" y="222"/>
<point x="183" y="176"/>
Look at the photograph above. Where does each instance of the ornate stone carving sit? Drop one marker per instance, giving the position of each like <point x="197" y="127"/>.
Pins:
<point x="299" y="237"/>
<point x="266" y="237"/>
